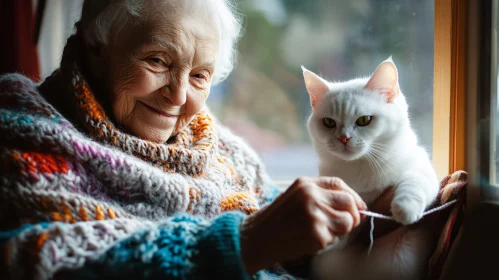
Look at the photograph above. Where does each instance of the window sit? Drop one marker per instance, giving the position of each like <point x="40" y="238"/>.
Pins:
<point x="265" y="101"/>
<point x="494" y="123"/>
<point x="58" y="23"/>
<point x="482" y="97"/>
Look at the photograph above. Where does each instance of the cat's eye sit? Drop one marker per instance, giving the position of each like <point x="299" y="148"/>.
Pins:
<point x="329" y="123"/>
<point x="364" y="120"/>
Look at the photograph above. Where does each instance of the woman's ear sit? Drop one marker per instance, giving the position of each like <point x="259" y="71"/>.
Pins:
<point x="385" y="80"/>
<point x="316" y="86"/>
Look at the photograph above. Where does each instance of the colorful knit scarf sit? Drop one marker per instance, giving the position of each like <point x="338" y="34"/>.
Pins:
<point x="53" y="171"/>
<point x="204" y="169"/>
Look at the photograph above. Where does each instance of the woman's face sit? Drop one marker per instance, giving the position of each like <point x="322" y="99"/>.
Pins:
<point x="159" y="73"/>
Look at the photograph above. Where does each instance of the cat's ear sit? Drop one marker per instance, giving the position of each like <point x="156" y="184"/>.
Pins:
<point x="316" y="86"/>
<point x="385" y="80"/>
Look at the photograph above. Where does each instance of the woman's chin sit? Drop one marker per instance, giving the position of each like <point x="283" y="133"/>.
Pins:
<point x="151" y="133"/>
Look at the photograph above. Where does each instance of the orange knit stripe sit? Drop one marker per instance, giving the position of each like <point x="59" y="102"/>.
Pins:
<point x="40" y="241"/>
<point x="37" y="162"/>
<point x="200" y="125"/>
<point x="88" y="103"/>
<point x="237" y="201"/>
<point x="172" y="151"/>
<point x="83" y="214"/>
<point x="99" y="215"/>
<point x="111" y="213"/>
<point x="56" y="216"/>
<point x="231" y="169"/>
<point x="67" y="213"/>
<point x="249" y="210"/>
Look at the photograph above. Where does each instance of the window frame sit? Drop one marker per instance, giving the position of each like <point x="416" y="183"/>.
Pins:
<point x="465" y="53"/>
<point x="449" y="89"/>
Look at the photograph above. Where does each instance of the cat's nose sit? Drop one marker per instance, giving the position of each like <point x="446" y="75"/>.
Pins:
<point x="344" y="139"/>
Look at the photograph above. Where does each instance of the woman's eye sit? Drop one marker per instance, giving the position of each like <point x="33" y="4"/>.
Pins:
<point x="158" y="61"/>
<point x="329" y="123"/>
<point x="201" y="79"/>
<point x="198" y="76"/>
<point x="364" y="120"/>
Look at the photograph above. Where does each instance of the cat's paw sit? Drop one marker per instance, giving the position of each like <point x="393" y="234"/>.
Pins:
<point x="407" y="210"/>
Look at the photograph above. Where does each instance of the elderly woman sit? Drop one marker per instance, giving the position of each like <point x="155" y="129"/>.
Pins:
<point x="113" y="167"/>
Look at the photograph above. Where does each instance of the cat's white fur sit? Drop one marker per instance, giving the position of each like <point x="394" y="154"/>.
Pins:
<point x="382" y="154"/>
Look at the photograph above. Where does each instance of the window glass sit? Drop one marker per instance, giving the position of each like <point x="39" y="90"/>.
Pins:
<point x="494" y="109"/>
<point x="495" y="137"/>
<point x="265" y="101"/>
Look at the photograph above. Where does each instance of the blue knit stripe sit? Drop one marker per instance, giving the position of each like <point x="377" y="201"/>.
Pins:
<point x="184" y="247"/>
<point x="7" y="235"/>
<point x="219" y="249"/>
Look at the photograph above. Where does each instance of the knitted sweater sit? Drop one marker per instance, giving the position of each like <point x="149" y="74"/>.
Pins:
<point x="80" y="197"/>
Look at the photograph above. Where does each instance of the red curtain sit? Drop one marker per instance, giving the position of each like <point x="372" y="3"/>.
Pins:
<point x="18" y="51"/>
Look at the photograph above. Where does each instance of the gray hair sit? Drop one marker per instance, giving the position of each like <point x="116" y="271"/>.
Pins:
<point x="102" y="18"/>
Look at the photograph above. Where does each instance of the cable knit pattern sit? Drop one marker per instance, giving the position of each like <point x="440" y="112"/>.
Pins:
<point x="104" y="202"/>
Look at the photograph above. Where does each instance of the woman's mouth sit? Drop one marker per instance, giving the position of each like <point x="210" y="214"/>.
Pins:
<point x="164" y="114"/>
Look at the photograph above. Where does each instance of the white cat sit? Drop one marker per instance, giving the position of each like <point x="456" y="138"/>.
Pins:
<point x="361" y="132"/>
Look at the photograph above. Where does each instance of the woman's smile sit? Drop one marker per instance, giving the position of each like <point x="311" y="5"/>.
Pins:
<point x="160" y="112"/>
<point x="154" y="118"/>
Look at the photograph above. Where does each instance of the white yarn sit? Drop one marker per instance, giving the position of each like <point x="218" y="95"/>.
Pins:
<point x="381" y="216"/>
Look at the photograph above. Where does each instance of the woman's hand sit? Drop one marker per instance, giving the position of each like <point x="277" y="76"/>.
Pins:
<point x="311" y="214"/>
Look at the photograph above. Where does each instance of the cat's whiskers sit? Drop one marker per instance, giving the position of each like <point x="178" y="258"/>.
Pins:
<point x="322" y="148"/>
<point x="322" y="152"/>
<point x="380" y="146"/>
<point x="382" y="159"/>
<point x="369" y="161"/>
<point x="386" y="160"/>
<point x="379" y="168"/>
<point x="383" y="155"/>
<point x="383" y="152"/>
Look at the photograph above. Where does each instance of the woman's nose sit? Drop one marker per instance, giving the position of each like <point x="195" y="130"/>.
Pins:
<point x="177" y="92"/>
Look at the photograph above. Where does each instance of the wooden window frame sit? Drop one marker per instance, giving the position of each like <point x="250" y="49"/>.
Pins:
<point x="449" y="90"/>
<point x="465" y="62"/>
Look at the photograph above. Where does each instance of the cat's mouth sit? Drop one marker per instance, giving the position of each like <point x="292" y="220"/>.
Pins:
<point x="346" y="150"/>
<point x="348" y="153"/>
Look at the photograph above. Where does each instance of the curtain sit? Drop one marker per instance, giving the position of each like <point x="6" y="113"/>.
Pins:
<point x="18" y="51"/>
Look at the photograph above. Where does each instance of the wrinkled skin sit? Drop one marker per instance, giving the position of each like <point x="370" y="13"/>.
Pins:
<point x="158" y="74"/>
